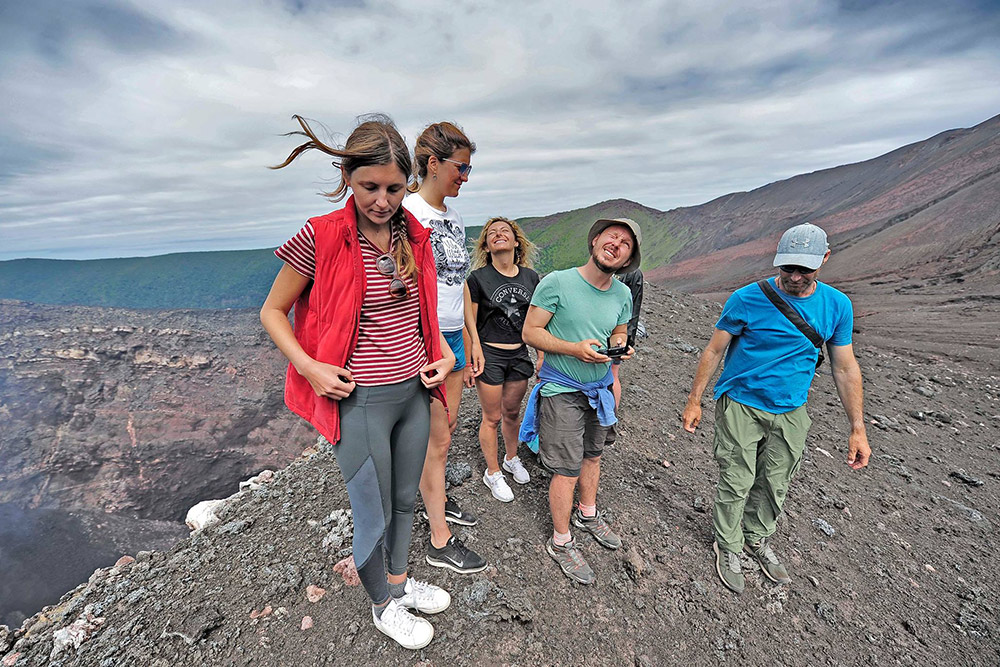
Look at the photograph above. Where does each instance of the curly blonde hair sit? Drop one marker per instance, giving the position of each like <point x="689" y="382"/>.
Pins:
<point x="524" y="252"/>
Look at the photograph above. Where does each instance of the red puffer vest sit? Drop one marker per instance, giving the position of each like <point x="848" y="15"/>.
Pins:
<point x="327" y="314"/>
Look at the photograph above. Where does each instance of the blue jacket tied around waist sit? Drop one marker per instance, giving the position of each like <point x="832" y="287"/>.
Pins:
<point x="597" y="393"/>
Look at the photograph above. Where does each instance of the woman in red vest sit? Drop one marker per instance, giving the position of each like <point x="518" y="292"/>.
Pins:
<point x="365" y="352"/>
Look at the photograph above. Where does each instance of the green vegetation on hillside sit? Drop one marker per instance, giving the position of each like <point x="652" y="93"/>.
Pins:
<point x="562" y="238"/>
<point x="230" y="279"/>
<point x="241" y="278"/>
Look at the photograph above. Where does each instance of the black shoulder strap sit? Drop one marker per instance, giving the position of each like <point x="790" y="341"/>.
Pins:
<point x="793" y="317"/>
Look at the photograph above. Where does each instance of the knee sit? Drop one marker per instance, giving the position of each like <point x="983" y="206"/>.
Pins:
<point x="491" y="419"/>
<point x="511" y="415"/>
<point x="439" y="446"/>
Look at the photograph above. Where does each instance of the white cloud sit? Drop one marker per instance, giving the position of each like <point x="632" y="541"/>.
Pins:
<point x="146" y="128"/>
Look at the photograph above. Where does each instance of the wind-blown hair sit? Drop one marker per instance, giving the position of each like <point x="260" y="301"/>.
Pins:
<point x="440" y="140"/>
<point x="374" y="142"/>
<point x="524" y="253"/>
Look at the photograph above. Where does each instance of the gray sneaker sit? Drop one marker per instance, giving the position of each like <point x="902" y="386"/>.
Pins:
<point x="769" y="563"/>
<point x="571" y="561"/>
<point x="598" y="527"/>
<point x="727" y="564"/>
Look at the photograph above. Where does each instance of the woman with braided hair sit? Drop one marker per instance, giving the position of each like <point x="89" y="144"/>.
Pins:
<point x="366" y="356"/>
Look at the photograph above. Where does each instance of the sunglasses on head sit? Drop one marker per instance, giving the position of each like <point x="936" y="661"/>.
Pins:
<point x="796" y="269"/>
<point x="386" y="265"/>
<point x="464" y="168"/>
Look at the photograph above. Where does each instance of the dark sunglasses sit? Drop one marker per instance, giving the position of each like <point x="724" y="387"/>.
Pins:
<point x="464" y="168"/>
<point x="386" y="265"/>
<point x="797" y="269"/>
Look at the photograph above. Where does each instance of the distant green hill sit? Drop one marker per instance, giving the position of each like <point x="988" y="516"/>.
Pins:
<point x="229" y="279"/>
<point x="241" y="278"/>
<point x="220" y="279"/>
<point x="562" y="237"/>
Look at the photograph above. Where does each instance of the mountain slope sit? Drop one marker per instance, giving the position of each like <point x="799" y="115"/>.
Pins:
<point x="912" y="208"/>
<point x="891" y="565"/>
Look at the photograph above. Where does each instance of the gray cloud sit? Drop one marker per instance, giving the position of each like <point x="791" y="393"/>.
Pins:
<point x="133" y="128"/>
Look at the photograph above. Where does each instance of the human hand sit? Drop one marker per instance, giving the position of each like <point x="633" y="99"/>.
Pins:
<point x="434" y="374"/>
<point x="469" y="375"/>
<point x="328" y="380"/>
<point x="691" y="416"/>
<point x="858" y="451"/>
<point x="584" y="351"/>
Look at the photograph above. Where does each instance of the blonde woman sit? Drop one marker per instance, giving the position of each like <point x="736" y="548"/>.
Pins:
<point x="497" y="295"/>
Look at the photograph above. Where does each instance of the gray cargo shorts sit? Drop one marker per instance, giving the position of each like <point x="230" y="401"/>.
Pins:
<point x="569" y="432"/>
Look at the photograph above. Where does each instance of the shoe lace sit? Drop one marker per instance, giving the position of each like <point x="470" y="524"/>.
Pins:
<point x="515" y="464"/>
<point x="459" y="547"/>
<point x="574" y="554"/>
<point x="766" y="553"/>
<point x="400" y="618"/>
<point x="733" y="561"/>
<point x="421" y="588"/>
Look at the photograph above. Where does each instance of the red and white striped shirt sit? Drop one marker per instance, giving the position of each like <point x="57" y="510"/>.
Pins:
<point x="390" y="346"/>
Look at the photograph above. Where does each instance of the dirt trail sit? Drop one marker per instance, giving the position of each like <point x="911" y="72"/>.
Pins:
<point x="891" y="565"/>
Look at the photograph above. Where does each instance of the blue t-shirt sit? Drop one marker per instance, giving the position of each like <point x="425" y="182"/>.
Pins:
<point x="770" y="364"/>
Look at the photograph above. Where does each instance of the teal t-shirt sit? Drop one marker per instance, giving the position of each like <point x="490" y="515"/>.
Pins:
<point x="770" y="364"/>
<point x="580" y="311"/>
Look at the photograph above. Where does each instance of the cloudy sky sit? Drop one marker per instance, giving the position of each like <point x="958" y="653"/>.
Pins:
<point x="139" y="127"/>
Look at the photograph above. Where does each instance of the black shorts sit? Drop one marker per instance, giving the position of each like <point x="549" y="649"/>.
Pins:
<point x="505" y="365"/>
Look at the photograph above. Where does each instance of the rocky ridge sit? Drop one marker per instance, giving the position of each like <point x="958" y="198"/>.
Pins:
<point x="891" y="565"/>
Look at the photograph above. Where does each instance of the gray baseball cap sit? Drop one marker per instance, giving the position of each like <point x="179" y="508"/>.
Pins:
<point x="604" y="223"/>
<point x="802" y="245"/>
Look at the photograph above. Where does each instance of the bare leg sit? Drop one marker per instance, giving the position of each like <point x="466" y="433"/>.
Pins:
<point x="561" y="501"/>
<point x="513" y="394"/>
<point x="590" y="474"/>
<point x="432" y="478"/>
<point x="490" y="400"/>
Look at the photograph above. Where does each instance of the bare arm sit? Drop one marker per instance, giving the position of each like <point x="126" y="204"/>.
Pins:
<point x="708" y="364"/>
<point x="847" y="377"/>
<point x="326" y="379"/>
<point x="477" y="360"/>
<point x="537" y="336"/>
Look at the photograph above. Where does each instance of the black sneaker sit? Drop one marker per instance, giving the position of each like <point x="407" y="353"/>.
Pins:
<point x="454" y="514"/>
<point x="455" y="556"/>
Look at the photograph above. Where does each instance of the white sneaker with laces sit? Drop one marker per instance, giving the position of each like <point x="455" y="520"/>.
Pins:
<point x="498" y="486"/>
<point x="424" y="597"/>
<point x="516" y="468"/>
<point x="400" y="625"/>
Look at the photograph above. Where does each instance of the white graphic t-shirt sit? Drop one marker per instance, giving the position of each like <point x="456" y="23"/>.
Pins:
<point x="450" y="256"/>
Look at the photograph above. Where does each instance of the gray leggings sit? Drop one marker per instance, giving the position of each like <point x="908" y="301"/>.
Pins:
<point x="383" y="441"/>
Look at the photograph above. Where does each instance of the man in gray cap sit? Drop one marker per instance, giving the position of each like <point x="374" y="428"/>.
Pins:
<point x="577" y="317"/>
<point x="760" y="413"/>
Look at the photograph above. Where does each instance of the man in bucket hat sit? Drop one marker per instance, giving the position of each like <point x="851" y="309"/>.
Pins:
<point x="577" y="317"/>
<point x="760" y="413"/>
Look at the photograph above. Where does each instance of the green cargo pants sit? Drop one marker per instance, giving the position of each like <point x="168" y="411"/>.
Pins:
<point x="758" y="453"/>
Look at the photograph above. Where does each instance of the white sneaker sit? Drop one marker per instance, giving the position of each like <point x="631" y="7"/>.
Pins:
<point x="424" y="597"/>
<point x="498" y="486"/>
<point x="516" y="468"/>
<point x="406" y="629"/>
